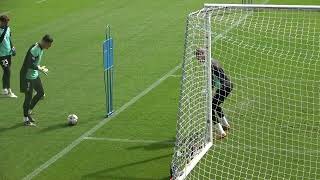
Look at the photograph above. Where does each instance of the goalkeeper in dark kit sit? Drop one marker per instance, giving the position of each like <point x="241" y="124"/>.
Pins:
<point x="223" y="86"/>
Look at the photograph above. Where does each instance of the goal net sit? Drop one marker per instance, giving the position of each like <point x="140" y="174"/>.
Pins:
<point x="271" y="53"/>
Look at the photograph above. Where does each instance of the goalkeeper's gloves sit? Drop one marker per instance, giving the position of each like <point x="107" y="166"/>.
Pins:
<point x="13" y="51"/>
<point x="43" y="69"/>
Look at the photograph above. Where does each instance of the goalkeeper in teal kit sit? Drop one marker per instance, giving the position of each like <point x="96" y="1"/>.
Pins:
<point x="30" y="78"/>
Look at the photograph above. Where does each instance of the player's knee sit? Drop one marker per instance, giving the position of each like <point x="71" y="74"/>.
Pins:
<point x="227" y="90"/>
<point x="41" y="95"/>
<point x="28" y="95"/>
<point x="6" y="72"/>
<point x="231" y="87"/>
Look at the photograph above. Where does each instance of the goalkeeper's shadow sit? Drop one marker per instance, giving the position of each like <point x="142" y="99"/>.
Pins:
<point x="106" y="173"/>
<point x="54" y="127"/>
<point x="155" y="146"/>
<point x="13" y="127"/>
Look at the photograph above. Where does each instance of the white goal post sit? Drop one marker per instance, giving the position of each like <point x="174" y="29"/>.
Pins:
<point x="272" y="55"/>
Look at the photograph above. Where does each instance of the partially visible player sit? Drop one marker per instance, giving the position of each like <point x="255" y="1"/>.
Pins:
<point x="30" y="78"/>
<point x="7" y="50"/>
<point x="223" y="87"/>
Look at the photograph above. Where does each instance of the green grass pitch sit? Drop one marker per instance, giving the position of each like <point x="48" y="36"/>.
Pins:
<point x="149" y="38"/>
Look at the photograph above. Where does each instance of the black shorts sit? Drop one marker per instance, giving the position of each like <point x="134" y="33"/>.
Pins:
<point x="34" y="84"/>
<point x="220" y="95"/>
<point x="5" y="61"/>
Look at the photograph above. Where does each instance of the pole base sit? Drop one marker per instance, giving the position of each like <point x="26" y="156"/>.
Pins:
<point x="109" y="114"/>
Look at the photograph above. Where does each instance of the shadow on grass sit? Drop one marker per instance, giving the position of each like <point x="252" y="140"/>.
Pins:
<point x="5" y="97"/>
<point x="155" y="146"/>
<point x="60" y="125"/>
<point x="17" y="125"/>
<point x="103" y="174"/>
<point x="55" y="127"/>
<point x="125" y="178"/>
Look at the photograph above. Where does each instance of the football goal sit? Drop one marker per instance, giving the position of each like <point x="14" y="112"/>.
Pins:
<point x="271" y="53"/>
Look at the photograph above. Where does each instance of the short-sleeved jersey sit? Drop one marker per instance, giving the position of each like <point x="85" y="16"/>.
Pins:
<point x="36" y="54"/>
<point x="5" y="45"/>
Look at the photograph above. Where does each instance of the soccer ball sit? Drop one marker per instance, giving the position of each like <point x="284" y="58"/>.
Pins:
<point x="72" y="119"/>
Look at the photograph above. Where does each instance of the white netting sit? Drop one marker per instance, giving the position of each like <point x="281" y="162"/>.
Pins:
<point x="272" y="56"/>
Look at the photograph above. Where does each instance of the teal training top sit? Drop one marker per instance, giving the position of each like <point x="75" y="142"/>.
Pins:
<point x="36" y="53"/>
<point x="5" y="45"/>
<point x="216" y="82"/>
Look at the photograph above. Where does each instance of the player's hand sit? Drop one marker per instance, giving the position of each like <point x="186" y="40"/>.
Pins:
<point x="43" y="69"/>
<point x="13" y="51"/>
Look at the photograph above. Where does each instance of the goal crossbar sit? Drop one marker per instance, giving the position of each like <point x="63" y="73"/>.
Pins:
<point x="266" y="6"/>
<point x="210" y="7"/>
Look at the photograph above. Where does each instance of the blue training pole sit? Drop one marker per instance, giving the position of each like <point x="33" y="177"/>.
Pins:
<point x="108" y="71"/>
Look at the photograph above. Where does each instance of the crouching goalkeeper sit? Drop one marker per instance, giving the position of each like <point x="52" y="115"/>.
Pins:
<point x="223" y="86"/>
<point x="30" y="78"/>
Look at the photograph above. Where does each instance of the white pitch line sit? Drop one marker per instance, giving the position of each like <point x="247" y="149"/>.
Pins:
<point x="275" y="79"/>
<point x="224" y="146"/>
<point x="264" y="79"/>
<point x="176" y="76"/>
<point x="128" y="140"/>
<point x="41" y="1"/>
<point x="104" y="121"/>
<point x="98" y="126"/>
<point x="265" y="148"/>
